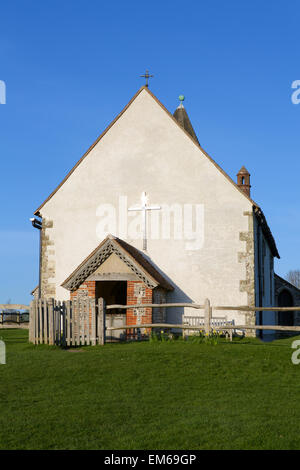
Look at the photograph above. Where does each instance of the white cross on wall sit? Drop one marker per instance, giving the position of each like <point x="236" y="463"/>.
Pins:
<point x="144" y="208"/>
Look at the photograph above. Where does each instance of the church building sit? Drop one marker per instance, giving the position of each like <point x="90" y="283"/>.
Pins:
<point x="147" y="216"/>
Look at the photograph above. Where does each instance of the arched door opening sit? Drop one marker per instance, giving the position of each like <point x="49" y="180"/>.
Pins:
<point x="285" y="299"/>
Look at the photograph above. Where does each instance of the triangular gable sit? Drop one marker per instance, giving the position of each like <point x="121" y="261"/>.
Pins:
<point x="133" y="258"/>
<point x="113" y="265"/>
<point x="115" y="120"/>
<point x="255" y="205"/>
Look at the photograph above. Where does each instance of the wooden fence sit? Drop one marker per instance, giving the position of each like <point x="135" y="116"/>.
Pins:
<point x="67" y="323"/>
<point x="82" y="322"/>
<point x="208" y="325"/>
<point x="12" y="317"/>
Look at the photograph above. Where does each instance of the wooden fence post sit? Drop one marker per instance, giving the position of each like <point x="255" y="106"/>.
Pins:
<point x="63" y="320"/>
<point x="93" y="323"/>
<point x="101" y="321"/>
<point x="76" y="330"/>
<point x="46" y="322"/>
<point x="40" y="307"/>
<point x="36" y="322"/>
<point x="31" y="321"/>
<point x="58" y="323"/>
<point x="68" y="322"/>
<point x="79" y="323"/>
<point x="51" y="320"/>
<point x="207" y="316"/>
<point x="87" y="322"/>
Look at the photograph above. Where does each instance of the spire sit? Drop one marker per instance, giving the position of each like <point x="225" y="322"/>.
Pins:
<point x="243" y="180"/>
<point x="182" y="118"/>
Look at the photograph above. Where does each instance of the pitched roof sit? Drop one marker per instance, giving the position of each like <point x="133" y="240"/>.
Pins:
<point x="243" y="171"/>
<point x="34" y="290"/>
<point x="187" y="131"/>
<point x="266" y="231"/>
<point x="182" y="118"/>
<point x="131" y="256"/>
<point x="281" y="281"/>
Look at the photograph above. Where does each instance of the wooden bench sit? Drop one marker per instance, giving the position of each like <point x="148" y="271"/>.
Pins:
<point x="216" y="322"/>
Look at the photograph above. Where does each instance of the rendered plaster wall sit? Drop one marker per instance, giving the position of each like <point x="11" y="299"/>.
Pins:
<point x="154" y="155"/>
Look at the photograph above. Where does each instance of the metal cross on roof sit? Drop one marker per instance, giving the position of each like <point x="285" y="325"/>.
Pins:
<point x="147" y="76"/>
<point x="144" y="208"/>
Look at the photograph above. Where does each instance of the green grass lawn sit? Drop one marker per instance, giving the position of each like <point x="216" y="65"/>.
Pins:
<point x="176" y="395"/>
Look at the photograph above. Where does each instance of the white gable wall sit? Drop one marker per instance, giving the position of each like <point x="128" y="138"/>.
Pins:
<point x="146" y="151"/>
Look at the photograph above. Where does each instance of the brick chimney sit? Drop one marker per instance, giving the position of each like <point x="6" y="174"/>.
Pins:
<point x="243" y="180"/>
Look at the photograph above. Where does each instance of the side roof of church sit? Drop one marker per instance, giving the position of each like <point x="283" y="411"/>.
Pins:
<point x="281" y="282"/>
<point x="186" y="127"/>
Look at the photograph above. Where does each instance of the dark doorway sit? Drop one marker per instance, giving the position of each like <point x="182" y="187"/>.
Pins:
<point x="285" y="299"/>
<point x="114" y="293"/>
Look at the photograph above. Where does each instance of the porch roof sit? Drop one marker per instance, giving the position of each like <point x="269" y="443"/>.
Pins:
<point x="142" y="267"/>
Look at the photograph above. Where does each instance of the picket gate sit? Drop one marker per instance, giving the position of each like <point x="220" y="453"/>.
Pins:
<point x="67" y="323"/>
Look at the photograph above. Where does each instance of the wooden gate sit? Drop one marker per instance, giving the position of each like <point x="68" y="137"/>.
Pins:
<point x="67" y="323"/>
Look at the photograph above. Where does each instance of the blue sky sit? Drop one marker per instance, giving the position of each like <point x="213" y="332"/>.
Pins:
<point x="70" y="67"/>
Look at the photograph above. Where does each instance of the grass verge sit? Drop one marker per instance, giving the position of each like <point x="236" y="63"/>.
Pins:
<point x="159" y="395"/>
